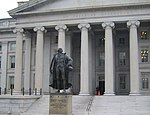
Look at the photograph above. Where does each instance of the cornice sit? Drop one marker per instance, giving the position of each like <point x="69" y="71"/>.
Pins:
<point x="29" y="4"/>
<point x="17" y="11"/>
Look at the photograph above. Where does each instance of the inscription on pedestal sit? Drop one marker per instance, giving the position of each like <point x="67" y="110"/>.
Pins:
<point x="60" y="104"/>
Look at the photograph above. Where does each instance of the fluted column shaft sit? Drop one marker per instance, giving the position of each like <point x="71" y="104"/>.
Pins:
<point x="84" y="68"/>
<point x="109" y="58"/>
<point x="61" y="36"/>
<point x="4" y="64"/>
<point x="134" y="60"/>
<point x="39" y="58"/>
<point x="18" y="58"/>
<point x="27" y="62"/>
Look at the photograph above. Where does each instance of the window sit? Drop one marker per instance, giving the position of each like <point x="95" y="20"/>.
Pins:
<point x="11" y="82"/>
<point x="102" y="41"/>
<point x="122" y="79"/>
<point x="0" y="81"/>
<point x="101" y="59"/>
<point x="0" y="46"/>
<point x="56" y="40"/>
<point x="12" y="46"/>
<point x="12" y="61"/>
<point x="145" y="80"/>
<point x="122" y="41"/>
<point x="144" y="83"/>
<point x="0" y="61"/>
<point x="143" y="35"/>
<point x="122" y="58"/>
<point x="144" y="55"/>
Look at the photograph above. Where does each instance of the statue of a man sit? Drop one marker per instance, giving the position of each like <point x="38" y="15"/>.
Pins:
<point x="60" y="66"/>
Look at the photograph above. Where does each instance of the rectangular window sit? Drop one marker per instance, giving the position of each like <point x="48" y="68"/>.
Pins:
<point x="122" y="79"/>
<point x="0" y="61"/>
<point x="145" y="80"/>
<point x="11" y="82"/>
<point x="122" y="58"/>
<point x="0" y="81"/>
<point x="144" y="83"/>
<point x="12" y="61"/>
<point x="56" y="40"/>
<point x="122" y="41"/>
<point x="143" y="35"/>
<point x="101" y="59"/>
<point x="0" y="46"/>
<point x="144" y="55"/>
<point x="12" y="46"/>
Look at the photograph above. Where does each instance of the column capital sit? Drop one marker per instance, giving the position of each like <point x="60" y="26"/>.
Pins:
<point x="61" y="27"/>
<point x="108" y="24"/>
<point x="84" y="26"/>
<point x="133" y="23"/>
<point x="20" y="30"/>
<point x="39" y="28"/>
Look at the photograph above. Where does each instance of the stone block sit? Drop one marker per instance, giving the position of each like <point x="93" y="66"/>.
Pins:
<point x="60" y="104"/>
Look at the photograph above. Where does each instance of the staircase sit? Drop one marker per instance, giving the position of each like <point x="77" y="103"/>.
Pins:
<point x="101" y="105"/>
<point x="80" y="104"/>
<point x="41" y="106"/>
<point x="121" y="105"/>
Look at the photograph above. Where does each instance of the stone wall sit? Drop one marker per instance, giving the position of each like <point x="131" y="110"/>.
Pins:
<point x="14" y="105"/>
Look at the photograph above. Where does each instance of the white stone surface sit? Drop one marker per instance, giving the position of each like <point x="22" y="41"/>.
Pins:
<point x="61" y="36"/>
<point x="4" y="64"/>
<point x="102" y="105"/>
<point x="134" y="62"/>
<point x="109" y="58"/>
<point x="15" y="104"/>
<point x="84" y="72"/>
<point x="27" y="62"/>
<point x="18" y="59"/>
<point x="121" y="105"/>
<point x="39" y="58"/>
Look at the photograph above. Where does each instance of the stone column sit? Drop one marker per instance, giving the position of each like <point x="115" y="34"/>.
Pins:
<point x="84" y="68"/>
<point x="68" y="44"/>
<point x="39" y="58"/>
<point x="134" y="58"/>
<point x="4" y="64"/>
<point x="18" y="59"/>
<point x="109" y="58"/>
<point x="61" y="36"/>
<point x="27" y="62"/>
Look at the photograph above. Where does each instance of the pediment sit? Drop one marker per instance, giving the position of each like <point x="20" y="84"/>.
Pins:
<point x="38" y="6"/>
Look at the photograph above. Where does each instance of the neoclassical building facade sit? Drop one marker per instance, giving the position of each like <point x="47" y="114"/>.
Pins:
<point x="109" y="42"/>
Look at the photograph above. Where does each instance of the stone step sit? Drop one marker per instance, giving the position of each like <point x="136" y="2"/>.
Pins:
<point x="102" y="105"/>
<point x="121" y="105"/>
<point x="41" y="107"/>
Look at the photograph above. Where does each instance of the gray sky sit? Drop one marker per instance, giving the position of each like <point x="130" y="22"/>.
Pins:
<point x="6" y="5"/>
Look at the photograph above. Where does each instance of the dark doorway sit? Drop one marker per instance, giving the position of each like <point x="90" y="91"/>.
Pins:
<point x="101" y="87"/>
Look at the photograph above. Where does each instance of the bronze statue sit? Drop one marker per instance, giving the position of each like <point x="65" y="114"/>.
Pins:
<point x="60" y="67"/>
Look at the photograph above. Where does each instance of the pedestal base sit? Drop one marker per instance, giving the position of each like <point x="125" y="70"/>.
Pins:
<point x="60" y="104"/>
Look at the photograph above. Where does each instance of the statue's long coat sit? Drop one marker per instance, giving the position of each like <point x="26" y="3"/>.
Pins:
<point x="68" y="62"/>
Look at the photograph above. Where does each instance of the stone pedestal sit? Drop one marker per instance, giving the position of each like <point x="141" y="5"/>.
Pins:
<point x="60" y="104"/>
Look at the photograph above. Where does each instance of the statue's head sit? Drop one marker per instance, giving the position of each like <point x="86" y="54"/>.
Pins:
<point x="59" y="50"/>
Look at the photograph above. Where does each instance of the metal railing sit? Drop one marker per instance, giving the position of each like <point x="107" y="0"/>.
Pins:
<point x="22" y="91"/>
<point x="88" y="109"/>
